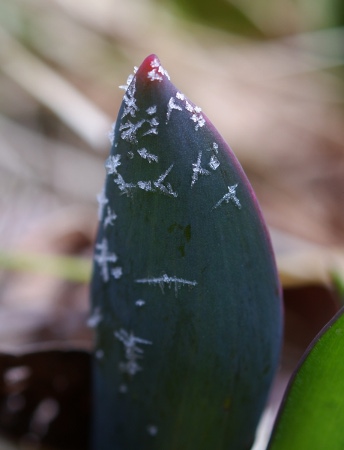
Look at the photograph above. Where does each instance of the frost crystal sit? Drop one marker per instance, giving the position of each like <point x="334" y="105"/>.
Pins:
<point x="198" y="170"/>
<point x="126" y="188"/>
<point x="198" y="119"/>
<point x="166" y="280"/>
<point x="152" y="430"/>
<point x="102" y="201"/>
<point x="230" y="196"/>
<point x="95" y="318"/>
<point x="140" y="303"/>
<point x="130" y="129"/>
<point x="214" y="162"/>
<point x="109" y="218"/>
<point x="151" y="110"/>
<point x="172" y="105"/>
<point x="103" y="258"/>
<point x="99" y="354"/>
<point x="215" y="147"/>
<point x="195" y="111"/>
<point x="111" y="133"/>
<point x="153" y="129"/>
<point x="112" y="163"/>
<point x="158" y="72"/>
<point x="123" y="389"/>
<point x="168" y="188"/>
<point x="129" y="99"/>
<point x="129" y="80"/>
<point x="117" y="272"/>
<point x="132" y="352"/>
<point x="146" y="155"/>
<point x="145" y="186"/>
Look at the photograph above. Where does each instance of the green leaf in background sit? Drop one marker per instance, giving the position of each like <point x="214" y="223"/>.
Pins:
<point x="312" y="413"/>
<point x="71" y="268"/>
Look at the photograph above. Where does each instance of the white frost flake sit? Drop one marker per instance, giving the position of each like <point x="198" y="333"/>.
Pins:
<point x="99" y="354"/>
<point x="109" y="218"/>
<point x="132" y="351"/>
<point x="145" y="186"/>
<point x="214" y="162"/>
<point x="129" y="130"/>
<point x="153" y="126"/>
<point x="152" y="430"/>
<point x="172" y="105"/>
<point x="111" y="133"/>
<point x="103" y="258"/>
<point x="158" y="72"/>
<point x="95" y="318"/>
<point x="151" y="110"/>
<point x="198" y="170"/>
<point x="102" y="201"/>
<point x="140" y="302"/>
<point x="117" y="272"/>
<point x="143" y="152"/>
<point x="126" y="188"/>
<point x="112" y="163"/>
<point x="129" y="99"/>
<point x="169" y="281"/>
<point x="168" y="188"/>
<point x="123" y="388"/>
<point x="230" y="196"/>
<point x="196" y="111"/>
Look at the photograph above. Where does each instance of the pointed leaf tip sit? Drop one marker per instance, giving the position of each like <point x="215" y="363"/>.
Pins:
<point x="151" y="70"/>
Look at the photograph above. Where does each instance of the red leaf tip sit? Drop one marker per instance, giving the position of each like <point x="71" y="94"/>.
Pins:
<point x="151" y="69"/>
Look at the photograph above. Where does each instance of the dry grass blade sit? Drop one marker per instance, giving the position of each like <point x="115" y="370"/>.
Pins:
<point x="55" y="92"/>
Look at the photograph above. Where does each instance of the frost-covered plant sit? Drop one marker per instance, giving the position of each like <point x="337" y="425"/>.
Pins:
<point x="185" y="295"/>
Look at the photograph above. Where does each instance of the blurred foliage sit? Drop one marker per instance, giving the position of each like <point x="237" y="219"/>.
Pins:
<point x="263" y="18"/>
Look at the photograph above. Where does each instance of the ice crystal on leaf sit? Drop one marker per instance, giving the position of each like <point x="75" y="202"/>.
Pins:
<point x="117" y="272"/>
<point x="196" y="111"/>
<point x="140" y="303"/>
<point x="126" y="188"/>
<point x="102" y="202"/>
<point x="111" y="133"/>
<point x="158" y="72"/>
<point x="143" y="152"/>
<point x="169" y="281"/>
<point x="153" y="126"/>
<point x="130" y="107"/>
<point x="129" y="130"/>
<point x="214" y="162"/>
<point x="151" y="110"/>
<point x="103" y="258"/>
<point x="112" y="163"/>
<point x="145" y="186"/>
<point x="198" y="170"/>
<point x="172" y="105"/>
<point x="152" y="430"/>
<point x="165" y="189"/>
<point x="95" y="318"/>
<point x="109" y="218"/>
<point x="132" y="351"/>
<point x="230" y="197"/>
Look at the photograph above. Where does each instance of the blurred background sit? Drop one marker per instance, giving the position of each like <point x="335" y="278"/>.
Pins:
<point x="268" y="73"/>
